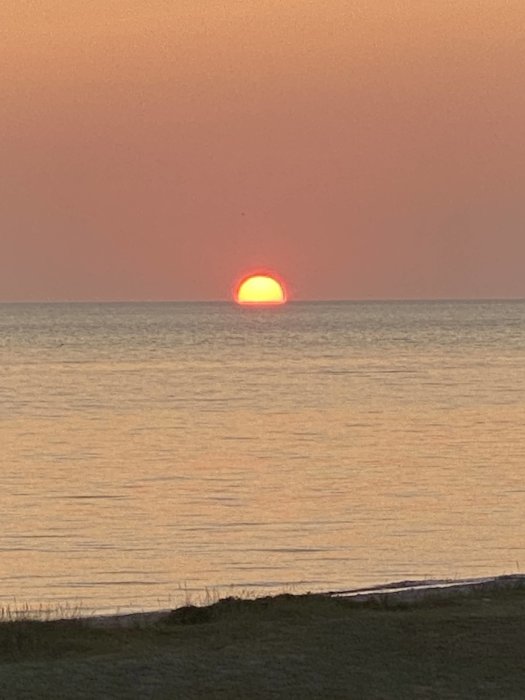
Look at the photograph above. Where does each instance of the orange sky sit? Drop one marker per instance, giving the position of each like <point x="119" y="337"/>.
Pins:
<point x="363" y="149"/>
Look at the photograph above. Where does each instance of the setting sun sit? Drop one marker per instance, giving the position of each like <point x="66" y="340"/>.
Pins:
<point x="260" y="289"/>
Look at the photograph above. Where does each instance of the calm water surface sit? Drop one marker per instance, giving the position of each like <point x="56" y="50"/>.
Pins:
<point x="149" y="451"/>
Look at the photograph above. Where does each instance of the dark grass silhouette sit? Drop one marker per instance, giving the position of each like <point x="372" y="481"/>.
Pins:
<point x="469" y="644"/>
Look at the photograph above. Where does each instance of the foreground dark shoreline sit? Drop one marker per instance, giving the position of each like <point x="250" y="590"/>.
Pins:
<point x="440" y="639"/>
<point x="406" y="591"/>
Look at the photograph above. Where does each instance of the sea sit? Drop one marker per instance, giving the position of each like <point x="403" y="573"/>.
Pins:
<point x="154" y="454"/>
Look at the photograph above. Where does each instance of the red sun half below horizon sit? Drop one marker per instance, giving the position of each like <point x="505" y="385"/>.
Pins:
<point x="260" y="288"/>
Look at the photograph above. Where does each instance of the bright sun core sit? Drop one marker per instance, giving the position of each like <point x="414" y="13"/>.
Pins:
<point x="260" y="289"/>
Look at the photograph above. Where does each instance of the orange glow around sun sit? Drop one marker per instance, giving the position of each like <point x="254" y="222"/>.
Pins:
<point x="260" y="289"/>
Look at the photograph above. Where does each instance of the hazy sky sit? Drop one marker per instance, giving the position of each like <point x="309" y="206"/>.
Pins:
<point x="361" y="148"/>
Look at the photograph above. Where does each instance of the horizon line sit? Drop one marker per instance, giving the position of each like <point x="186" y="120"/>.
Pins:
<point x="356" y="300"/>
